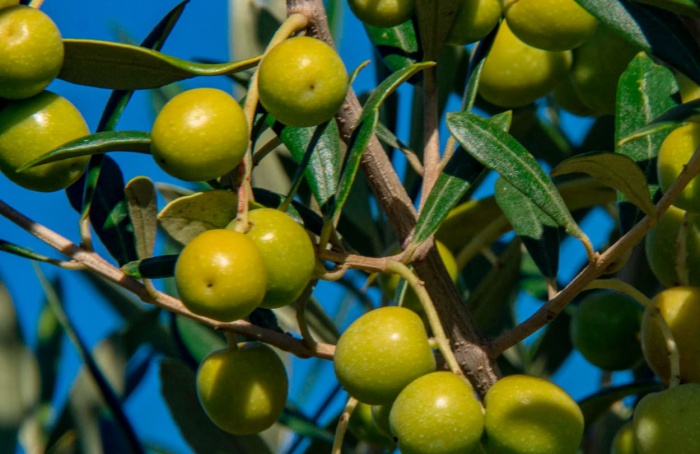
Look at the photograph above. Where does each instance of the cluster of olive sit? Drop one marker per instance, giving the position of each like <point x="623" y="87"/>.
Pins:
<point x="540" y="47"/>
<point x="33" y="120"/>
<point x="384" y="359"/>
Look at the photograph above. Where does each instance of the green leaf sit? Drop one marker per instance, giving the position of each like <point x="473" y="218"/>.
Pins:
<point x="645" y="92"/>
<point x="320" y="147"/>
<point x="451" y="185"/>
<point x="595" y="405"/>
<point x="179" y="389"/>
<point x="435" y="18"/>
<point x="689" y="8"/>
<point x="552" y="348"/>
<point x="499" y="151"/>
<point x="143" y="210"/>
<point x="97" y="143"/>
<point x="303" y="426"/>
<point x="615" y="170"/>
<point x="20" y="251"/>
<point x="398" y="46"/>
<point x="655" y="31"/>
<point x="365" y="128"/>
<point x="109" y="214"/>
<point x="118" y="66"/>
<point x="535" y="228"/>
<point x="186" y="217"/>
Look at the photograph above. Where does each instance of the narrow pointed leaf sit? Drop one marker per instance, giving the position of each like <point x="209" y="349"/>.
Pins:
<point x="552" y="348"/>
<point x="49" y="346"/>
<point x="451" y="185"/>
<point x="109" y="214"/>
<point x="324" y="156"/>
<point x="179" y="389"/>
<point x="595" y="405"/>
<point x="98" y="143"/>
<point x="398" y="46"/>
<point x="535" y="228"/>
<point x="615" y="170"/>
<point x="435" y="18"/>
<point x="500" y="152"/>
<point x="645" y="92"/>
<point x="118" y="66"/>
<point x="654" y="30"/>
<point x="366" y="127"/>
<point x="21" y="251"/>
<point x="186" y="217"/>
<point x="690" y="8"/>
<point x="143" y="211"/>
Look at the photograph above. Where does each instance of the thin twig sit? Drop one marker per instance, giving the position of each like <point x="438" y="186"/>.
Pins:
<point x="596" y="267"/>
<point x="96" y="264"/>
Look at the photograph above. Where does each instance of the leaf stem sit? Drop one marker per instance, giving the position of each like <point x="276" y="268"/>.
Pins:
<point x="681" y="258"/>
<point x="342" y="426"/>
<point x="418" y="287"/>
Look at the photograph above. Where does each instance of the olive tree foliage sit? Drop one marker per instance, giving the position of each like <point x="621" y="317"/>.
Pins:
<point x="367" y="219"/>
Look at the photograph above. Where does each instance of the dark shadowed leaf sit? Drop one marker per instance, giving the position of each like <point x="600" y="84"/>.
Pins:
<point x="320" y="148"/>
<point x="179" y="389"/>
<point x="690" y="8"/>
<point x="645" y="92"/>
<point x="152" y="267"/>
<point x="615" y="170"/>
<point x="536" y="229"/>
<point x="197" y="339"/>
<point x="552" y="348"/>
<point x="109" y="213"/>
<point x="125" y="67"/>
<point x="48" y="351"/>
<point x="654" y="30"/>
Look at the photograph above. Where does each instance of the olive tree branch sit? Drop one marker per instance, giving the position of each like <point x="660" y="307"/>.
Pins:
<point x="600" y="264"/>
<point x="466" y="340"/>
<point x="96" y="264"/>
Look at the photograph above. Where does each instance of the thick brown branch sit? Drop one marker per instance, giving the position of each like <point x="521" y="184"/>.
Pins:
<point x="467" y="343"/>
<point x="101" y="267"/>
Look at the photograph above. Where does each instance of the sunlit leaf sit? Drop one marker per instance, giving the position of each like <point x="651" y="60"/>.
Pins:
<point x="398" y="46"/>
<point x="125" y="67"/>
<point x="98" y="143"/>
<point x="143" y="210"/>
<point x="186" y="217"/>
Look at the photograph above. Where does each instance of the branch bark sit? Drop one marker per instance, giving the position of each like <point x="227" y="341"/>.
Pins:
<point x="467" y="343"/>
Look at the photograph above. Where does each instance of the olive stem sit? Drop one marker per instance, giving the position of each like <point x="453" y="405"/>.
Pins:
<point x="36" y="3"/>
<point x="301" y="303"/>
<point x="342" y="426"/>
<point x="431" y="118"/>
<point x="418" y="287"/>
<point x="681" y="261"/>
<point x="655" y="313"/>
<point x="231" y="340"/>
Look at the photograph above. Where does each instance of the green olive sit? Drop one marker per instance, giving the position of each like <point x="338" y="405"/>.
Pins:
<point x="531" y="415"/>
<point x="675" y="152"/>
<point x="220" y="274"/>
<point x="383" y="13"/>
<point x="474" y="20"/>
<point x="437" y="414"/>
<point x="199" y="135"/>
<point x="662" y="247"/>
<point x="550" y="24"/>
<point x="605" y="329"/>
<point x="30" y="128"/>
<point x="515" y="74"/>
<point x="31" y="51"/>
<point x="287" y="252"/>
<point x="302" y="82"/>
<point x="381" y="352"/>
<point x="243" y="390"/>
